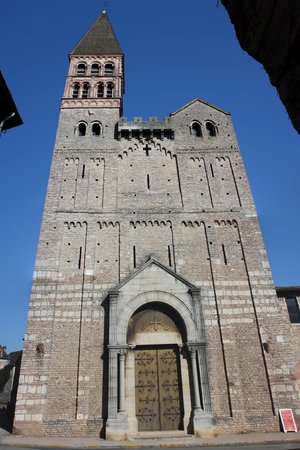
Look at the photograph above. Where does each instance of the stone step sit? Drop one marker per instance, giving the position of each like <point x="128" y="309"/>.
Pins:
<point x="170" y="434"/>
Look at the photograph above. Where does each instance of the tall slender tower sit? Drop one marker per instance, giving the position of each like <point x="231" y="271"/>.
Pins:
<point x="152" y="305"/>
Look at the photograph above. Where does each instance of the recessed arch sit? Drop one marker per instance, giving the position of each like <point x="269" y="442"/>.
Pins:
<point x="172" y="324"/>
<point x="161" y="297"/>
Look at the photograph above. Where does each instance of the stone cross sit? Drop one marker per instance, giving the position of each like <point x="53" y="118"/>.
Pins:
<point x="147" y="148"/>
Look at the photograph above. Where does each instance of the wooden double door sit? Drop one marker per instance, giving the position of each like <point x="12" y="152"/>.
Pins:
<point x="158" y="393"/>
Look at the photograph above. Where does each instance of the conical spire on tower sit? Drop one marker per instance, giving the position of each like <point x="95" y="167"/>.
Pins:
<point x="100" y="39"/>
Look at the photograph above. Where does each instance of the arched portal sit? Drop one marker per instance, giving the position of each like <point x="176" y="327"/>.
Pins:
<point x="157" y="379"/>
<point x="156" y="332"/>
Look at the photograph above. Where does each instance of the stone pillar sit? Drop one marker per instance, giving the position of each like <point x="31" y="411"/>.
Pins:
<point x="197" y="402"/>
<point x="201" y="349"/>
<point x="203" y="421"/>
<point x="122" y="407"/>
<point x="117" y="423"/>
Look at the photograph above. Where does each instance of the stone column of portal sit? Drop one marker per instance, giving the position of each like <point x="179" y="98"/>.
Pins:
<point x="112" y="358"/>
<point x="201" y="349"/>
<point x="203" y="421"/>
<point x="117" y="427"/>
<point x="197" y="401"/>
<point x="122" y="407"/>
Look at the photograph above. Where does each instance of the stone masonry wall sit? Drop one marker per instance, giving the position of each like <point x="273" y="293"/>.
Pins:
<point x="110" y="205"/>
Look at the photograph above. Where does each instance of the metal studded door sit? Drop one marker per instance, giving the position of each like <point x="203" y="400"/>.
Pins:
<point x="157" y="392"/>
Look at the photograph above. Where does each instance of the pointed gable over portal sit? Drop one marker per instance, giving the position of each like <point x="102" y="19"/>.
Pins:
<point x="152" y="283"/>
<point x="100" y="39"/>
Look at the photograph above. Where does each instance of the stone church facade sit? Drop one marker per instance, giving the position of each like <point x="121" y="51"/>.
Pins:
<point x="152" y="305"/>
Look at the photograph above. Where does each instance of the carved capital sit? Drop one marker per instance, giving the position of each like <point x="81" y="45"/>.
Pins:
<point x="113" y="296"/>
<point x="195" y="346"/>
<point x="195" y="293"/>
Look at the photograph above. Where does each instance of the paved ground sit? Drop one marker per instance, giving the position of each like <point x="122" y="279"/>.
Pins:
<point x="190" y="441"/>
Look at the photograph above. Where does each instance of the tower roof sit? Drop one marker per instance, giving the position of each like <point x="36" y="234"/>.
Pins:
<point x="100" y="39"/>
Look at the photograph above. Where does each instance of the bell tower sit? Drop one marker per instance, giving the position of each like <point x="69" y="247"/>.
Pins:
<point x="96" y="73"/>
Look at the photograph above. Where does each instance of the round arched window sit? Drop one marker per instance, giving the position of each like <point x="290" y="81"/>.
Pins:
<point x="109" y="90"/>
<point x="196" y="129"/>
<point x="95" y="69"/>
<point x="211" y="129"/>
<point x="81" y="129"/>
<point x="109" y="69"/>
<point x="81" y="69"/>
<point x="85" y="90"/>
<point x="96" y="129"/>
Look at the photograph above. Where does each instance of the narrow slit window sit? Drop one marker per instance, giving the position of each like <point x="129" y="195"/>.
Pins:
<point x="79" y="259"/>
<point x="224" y="254"/>
<point x="148" y="182"/>
<point x="83" y="171"/>
<point x="293" y="309"/>
<point x="212" y="170"/>
<point x="134" y="257"/>
<point x="169" y="256"/>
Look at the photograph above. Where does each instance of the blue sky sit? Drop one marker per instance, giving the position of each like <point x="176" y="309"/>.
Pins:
<point x="174" y="52"/>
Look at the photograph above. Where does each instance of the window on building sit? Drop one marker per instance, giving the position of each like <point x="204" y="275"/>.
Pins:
<point x="81" y="68"/>
<point x="211" y="129"/>
<point x="81" y="129"/>
<point x="109" y="90"/>
<point x="293" y="309"/>
<point x="196" y="129"/>
<point x="75" y="92"/>
<point x="109" y="69"/>
<point x="100" y="90"/>
<point x="85" y="90"/>
<point x="96" y="129"/>
<point x="95" y="69"/>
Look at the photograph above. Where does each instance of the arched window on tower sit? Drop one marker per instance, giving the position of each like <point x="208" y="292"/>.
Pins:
<point x="109" y="69"/>
<point x="85" y="90"/>
<point x="95" y="69"/>
<point x="196" y="129"/>
<point x="211" y="129"/>
<point x="109" y="90"/>
<point x="81" y="129"/>
<point x="75" y="91"/>
<point x="100" y="90"/>
<point x="96" y="129"/>
<point x="81" y="69"/>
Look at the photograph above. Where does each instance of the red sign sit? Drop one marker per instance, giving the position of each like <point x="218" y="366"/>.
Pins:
<point x="287" y="420"/>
